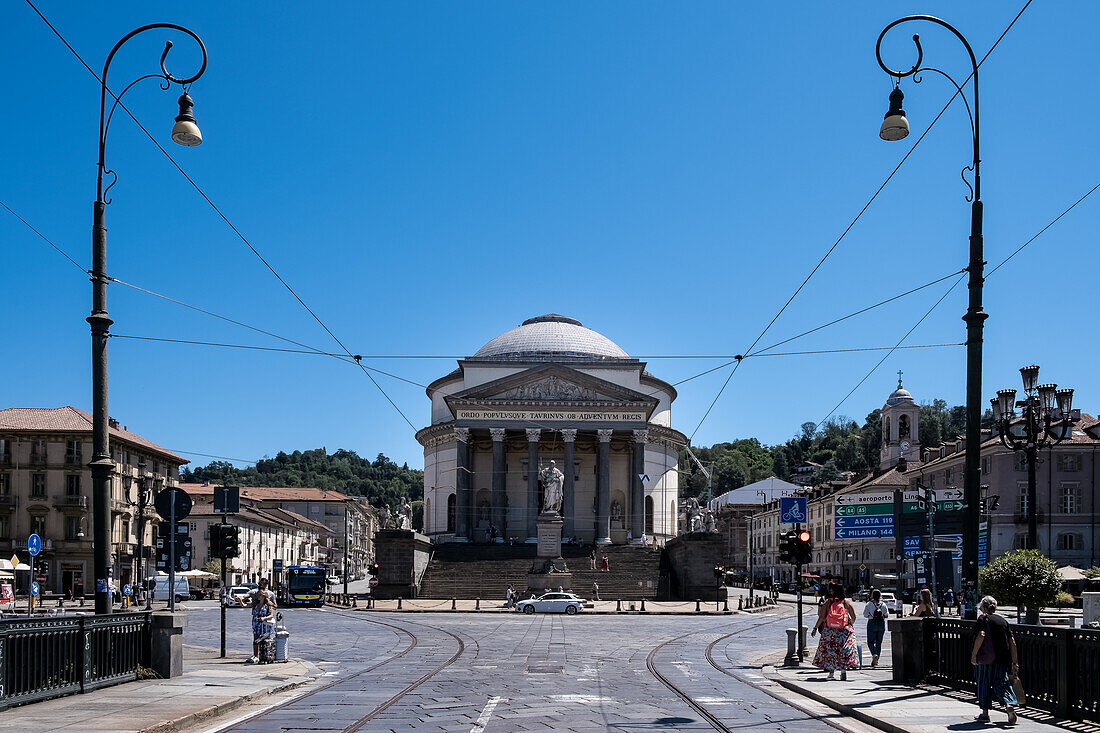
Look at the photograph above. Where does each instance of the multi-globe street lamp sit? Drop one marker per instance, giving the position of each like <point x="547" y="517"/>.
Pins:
<point x="185" y="132"/>
<point x="1046" y="420"/>
<point x="896" y="127"/>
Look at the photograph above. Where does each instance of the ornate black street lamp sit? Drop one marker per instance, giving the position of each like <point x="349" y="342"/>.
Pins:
<point x="1046" y="421"/>
<point x="145" y="494"/>
<point x="185" y="132"/>
<point x="896" y="127"/>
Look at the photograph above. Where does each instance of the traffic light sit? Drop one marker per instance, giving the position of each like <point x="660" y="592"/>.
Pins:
<point x="803" y="547"/>
<point x="786" y="546"/>
<point x="373" y="569"/>
<point x="231" y="541"/>
<point x="225" y="541"/>
<point x="719" y="571"/>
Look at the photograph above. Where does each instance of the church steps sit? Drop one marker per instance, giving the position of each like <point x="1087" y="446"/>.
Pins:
<point x="485" y="571"/>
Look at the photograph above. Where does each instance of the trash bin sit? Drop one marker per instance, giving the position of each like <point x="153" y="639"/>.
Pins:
<point x="282" y="639"/>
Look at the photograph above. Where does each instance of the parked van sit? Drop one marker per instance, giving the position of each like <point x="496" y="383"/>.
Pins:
<point x="160" y="593"/>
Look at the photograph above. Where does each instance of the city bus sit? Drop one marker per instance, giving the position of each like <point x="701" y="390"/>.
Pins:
<point x="303" y="585"/>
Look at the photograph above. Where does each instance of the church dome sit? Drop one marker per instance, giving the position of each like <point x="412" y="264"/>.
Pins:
<point x="550" y="337"/>
<point x="900" y="396"/>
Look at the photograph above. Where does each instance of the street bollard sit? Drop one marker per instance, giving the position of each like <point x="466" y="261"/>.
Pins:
<point x="618" y="605"/>
<point x="643" y="605"/>
<point x="791" y="660"/>
<point x="453" y="600"/>
<point x="399" y="603"/>
<point x="740" y="603"/>
<point x="477" y="604"/>
<point x="355" y="601"/>
<point x="726" y="606"/>
<point x="697" y="609"/>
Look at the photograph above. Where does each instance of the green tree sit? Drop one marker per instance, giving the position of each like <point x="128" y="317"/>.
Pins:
<point x="418" y="515"/>
<point x="1022" y="578"/>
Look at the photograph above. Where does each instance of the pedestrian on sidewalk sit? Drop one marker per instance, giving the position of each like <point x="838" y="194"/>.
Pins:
<point x="592" y="557"/>
<point x="605" y="565"/>
<point x="837" y="648"/>
<point x="995" y="661"/>
<point x="263" y="606"/>
<point x="510" y="597"/>
<point x="949" y="599"/>
<point x="925" y="608"/>
<point x="875" y="613"/>
<point x="596" y="590"/>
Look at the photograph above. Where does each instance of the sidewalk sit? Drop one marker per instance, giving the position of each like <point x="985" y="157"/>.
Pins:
<point x="494" y="605"/>
<point x="871" y="697"/>
<point x="209" y="686"/>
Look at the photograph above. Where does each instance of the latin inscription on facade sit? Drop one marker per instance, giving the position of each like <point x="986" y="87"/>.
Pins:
<point x="465" y="413"/>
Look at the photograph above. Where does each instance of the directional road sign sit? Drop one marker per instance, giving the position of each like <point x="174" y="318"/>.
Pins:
<point x="942" y="506"/>
<point x="871" y="520"/>
<point x="34" y="544"/>
<point x="878" y="497"/>
<point x="862" y="509"/>
<point x="856" y="533"/>
<point x="792" y="509"/>
<point x="912" y="544"/>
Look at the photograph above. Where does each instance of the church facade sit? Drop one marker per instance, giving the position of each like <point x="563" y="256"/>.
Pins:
<point x="547" y="391"/>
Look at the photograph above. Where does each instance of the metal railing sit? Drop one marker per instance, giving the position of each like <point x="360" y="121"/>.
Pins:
<point x="76" y="501"/>
<point x="1059" y="668"/>
<point x="51" y="657"/>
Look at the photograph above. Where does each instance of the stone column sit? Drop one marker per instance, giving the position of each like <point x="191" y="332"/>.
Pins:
<point x="500" y="489"/>
<point x="637" y="489"/>
<point x="568" y="506"/>
<point x="462" y="485"/>
<point x="532" y="484"/>
<point x="603" y="488"/>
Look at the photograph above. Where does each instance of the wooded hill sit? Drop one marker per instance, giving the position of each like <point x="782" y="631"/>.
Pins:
<point x="381" y="481"/>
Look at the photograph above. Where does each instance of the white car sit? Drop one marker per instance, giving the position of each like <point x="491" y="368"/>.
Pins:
<point x="891" y="602"/>
<point x="552" y="603"/>
<point x="236" y="593"/>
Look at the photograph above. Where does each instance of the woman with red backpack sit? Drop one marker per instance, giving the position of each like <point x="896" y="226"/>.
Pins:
<point x="836" y="622"/>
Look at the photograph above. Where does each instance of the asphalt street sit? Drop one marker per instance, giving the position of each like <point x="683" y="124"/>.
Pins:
<point x="504" y="672"/>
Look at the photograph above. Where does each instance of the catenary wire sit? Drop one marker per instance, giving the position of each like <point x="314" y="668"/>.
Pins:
<point x="341" y="357"/>
<point x="218" y="211"/>
<point x="1048" y="226"/>
<point x="843" y="234"/>
<point x="891" y="351"/>
<point x="210" y="455"/>
<point x="44" y="238"/>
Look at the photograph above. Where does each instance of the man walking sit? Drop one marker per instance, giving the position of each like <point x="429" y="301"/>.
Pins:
<point x="596" y="590"/>
<point x="263" y="606"/>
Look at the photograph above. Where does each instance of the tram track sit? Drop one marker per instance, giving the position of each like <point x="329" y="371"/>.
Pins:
<point x="414" y="641"/>
<point x="698" y="707"/>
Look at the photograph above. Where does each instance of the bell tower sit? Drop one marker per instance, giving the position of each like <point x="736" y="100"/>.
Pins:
<point x="900" y="416"/>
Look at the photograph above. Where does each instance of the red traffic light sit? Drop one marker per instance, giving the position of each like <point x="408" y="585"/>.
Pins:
<point x="804" y="536"/>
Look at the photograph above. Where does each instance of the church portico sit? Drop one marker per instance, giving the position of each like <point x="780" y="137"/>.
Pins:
<point x="550" y="396"/>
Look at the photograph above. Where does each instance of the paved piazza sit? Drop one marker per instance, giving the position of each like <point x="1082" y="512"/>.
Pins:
<point x="508" y="672"/>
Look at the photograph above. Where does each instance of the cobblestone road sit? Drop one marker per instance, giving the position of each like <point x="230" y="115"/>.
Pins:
<point x="464" y="672"/>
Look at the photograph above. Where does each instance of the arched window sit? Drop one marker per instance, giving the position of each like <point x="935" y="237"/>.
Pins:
<point x="1068" y="541"/>
<point x="903" y="426"/>
<point x="649" y="515"/>
<point x="450" y="512"/>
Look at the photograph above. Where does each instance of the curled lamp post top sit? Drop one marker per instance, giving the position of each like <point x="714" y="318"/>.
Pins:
<point x="104" y="118"/>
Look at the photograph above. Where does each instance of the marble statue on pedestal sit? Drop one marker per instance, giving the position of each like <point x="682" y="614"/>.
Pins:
<point x="552" y="482"/>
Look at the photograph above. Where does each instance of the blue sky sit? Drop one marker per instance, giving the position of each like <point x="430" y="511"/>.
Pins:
<point x="428" y="175"/>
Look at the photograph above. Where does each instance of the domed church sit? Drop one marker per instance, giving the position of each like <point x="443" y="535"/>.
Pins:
<point x="550" y="394"/>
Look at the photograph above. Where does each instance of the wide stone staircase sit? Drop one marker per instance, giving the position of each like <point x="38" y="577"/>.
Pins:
<point x="485" y="571"/>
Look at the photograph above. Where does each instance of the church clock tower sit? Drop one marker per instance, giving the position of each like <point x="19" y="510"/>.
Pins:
<point x="900" y="417"/>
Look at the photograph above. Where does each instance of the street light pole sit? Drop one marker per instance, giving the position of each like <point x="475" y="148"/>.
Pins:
<point x="1040" y="430"/>
<point x="185" y="132"/>
<point x="896" y="127"/>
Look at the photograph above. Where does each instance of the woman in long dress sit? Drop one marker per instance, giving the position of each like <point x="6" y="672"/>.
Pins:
<point x="836" y="622"/>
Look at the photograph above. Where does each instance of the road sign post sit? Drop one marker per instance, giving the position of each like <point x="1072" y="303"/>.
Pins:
<point x="172" y="504"/>
<point x="34" y="546"/>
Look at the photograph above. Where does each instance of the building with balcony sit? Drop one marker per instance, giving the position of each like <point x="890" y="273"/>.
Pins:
<point x="337" y="520"/>
<point x="46" y="489"/>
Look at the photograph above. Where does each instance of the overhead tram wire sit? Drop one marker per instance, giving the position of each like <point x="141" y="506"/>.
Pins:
<point x="843" y="234"/>
<point x="44" y="238"/>
<point x="210" y="455"/>
<point x="891" y="351"/>
<point x="218" y="210"/>
<point x="340" y="357"/>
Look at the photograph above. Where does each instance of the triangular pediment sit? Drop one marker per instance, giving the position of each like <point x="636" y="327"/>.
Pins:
<point x="551" y="383"/>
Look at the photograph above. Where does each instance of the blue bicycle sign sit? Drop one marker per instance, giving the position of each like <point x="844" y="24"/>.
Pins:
<point x="792" y="509"/>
